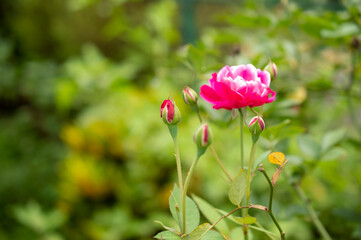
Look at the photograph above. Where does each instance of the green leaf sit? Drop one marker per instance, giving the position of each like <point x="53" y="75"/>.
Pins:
<point x="203" y="232"/>
<point x="271" y="235"/>
<point x="167" y="235"/>
<point x="331" y="138"/>
<point x="238" y="188"/>
<point x="243" y="220"/>
<point x="192" y="212"/>
<point x="309" y="146"/>
<point x="166" y="227"/>
<point x="211" y="214"/>
<point x="261" y="158"/>
<point x="213" y="235"/>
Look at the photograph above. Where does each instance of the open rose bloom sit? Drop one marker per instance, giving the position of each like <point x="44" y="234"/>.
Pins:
<point x="237" y="87"/>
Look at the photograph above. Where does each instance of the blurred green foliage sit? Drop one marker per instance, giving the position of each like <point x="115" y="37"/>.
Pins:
<point x="85" y="155"/>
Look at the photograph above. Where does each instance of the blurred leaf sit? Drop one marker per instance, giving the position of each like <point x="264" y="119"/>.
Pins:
<point x="238" y="188"/>
<point x="335" y="153"/>
<point x="192" y="212"/>
<point x="33" y="216"/>
<point x="331" y="138"/>
<point x="167" y="235"/>
<point x="344" y="30"/>
<point x="308" y="146"/>
<point x="272" y="132"/>
<point x="211" y="214"/>
<point x="312" y="23"/>
<point x="65" y="93"/>
<point x="249" y="20"/>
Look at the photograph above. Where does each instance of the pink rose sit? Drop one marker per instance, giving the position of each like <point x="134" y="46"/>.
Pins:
<point x="237" y="87"/>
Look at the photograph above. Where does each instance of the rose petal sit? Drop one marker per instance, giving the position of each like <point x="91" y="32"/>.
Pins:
<point x="209" y="94"/>
<point x="264" y="76"/>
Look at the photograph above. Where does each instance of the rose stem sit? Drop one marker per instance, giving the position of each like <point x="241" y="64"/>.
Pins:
<point x="186" y="184"/>
<point x="241" y="122"/>
<point x="282" y="233"/>
<point x="174" y="132"/>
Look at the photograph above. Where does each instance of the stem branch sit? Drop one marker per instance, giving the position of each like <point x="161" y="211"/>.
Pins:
<point x="270" y="212"/>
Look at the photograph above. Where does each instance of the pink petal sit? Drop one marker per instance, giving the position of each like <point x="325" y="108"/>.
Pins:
<point x="237" y="70"/>
<point x="249" y="73"/>
<point x="213" y="79"/>
<point x="208" y="94"/>
<point x="224" y="73"/>
<point x="264" y="76"/>
<point x="226" y="92"/>
<point x="272" y="98"/>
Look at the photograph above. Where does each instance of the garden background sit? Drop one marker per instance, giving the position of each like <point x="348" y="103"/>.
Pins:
<point x="84" y="153"/>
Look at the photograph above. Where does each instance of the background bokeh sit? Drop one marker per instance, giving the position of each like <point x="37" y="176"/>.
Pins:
<point x="85" y="155"/>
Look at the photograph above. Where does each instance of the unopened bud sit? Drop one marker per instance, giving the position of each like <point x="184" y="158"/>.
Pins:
<point x="190" y="96"/>
<point x="203" y="136"/>
<point x="169" y="112"/>
<point x="272" y="69"/>
<point x="256" y="126"/>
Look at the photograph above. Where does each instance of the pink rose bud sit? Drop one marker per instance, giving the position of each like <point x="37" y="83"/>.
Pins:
<point x="190" y="96"/>
<point x="203" y="136"/>
<point x="169" y="112"/>
<point x="272" y="69"/>
<point x="256" y="126"/>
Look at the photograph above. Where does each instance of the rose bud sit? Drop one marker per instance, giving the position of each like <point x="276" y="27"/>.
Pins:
<point x="169" y="112"/>
<point x="203" y="137"/>
<point x="256" y="126"/>
<point x="190" y="96"/>
<point x="272" y="69"/>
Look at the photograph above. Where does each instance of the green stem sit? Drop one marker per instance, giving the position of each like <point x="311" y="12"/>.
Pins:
<point x="241" y="122"/>
<point x="248" y="192"/>
<point x="249" y="172"/>
<point x="318" y="224"/>
<point x="270" y="206"/>
<point x="198" y="113"/>
<point x="186" y="185"/>
<point x="173" y="129"/>
<point x="179" y="166"/>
